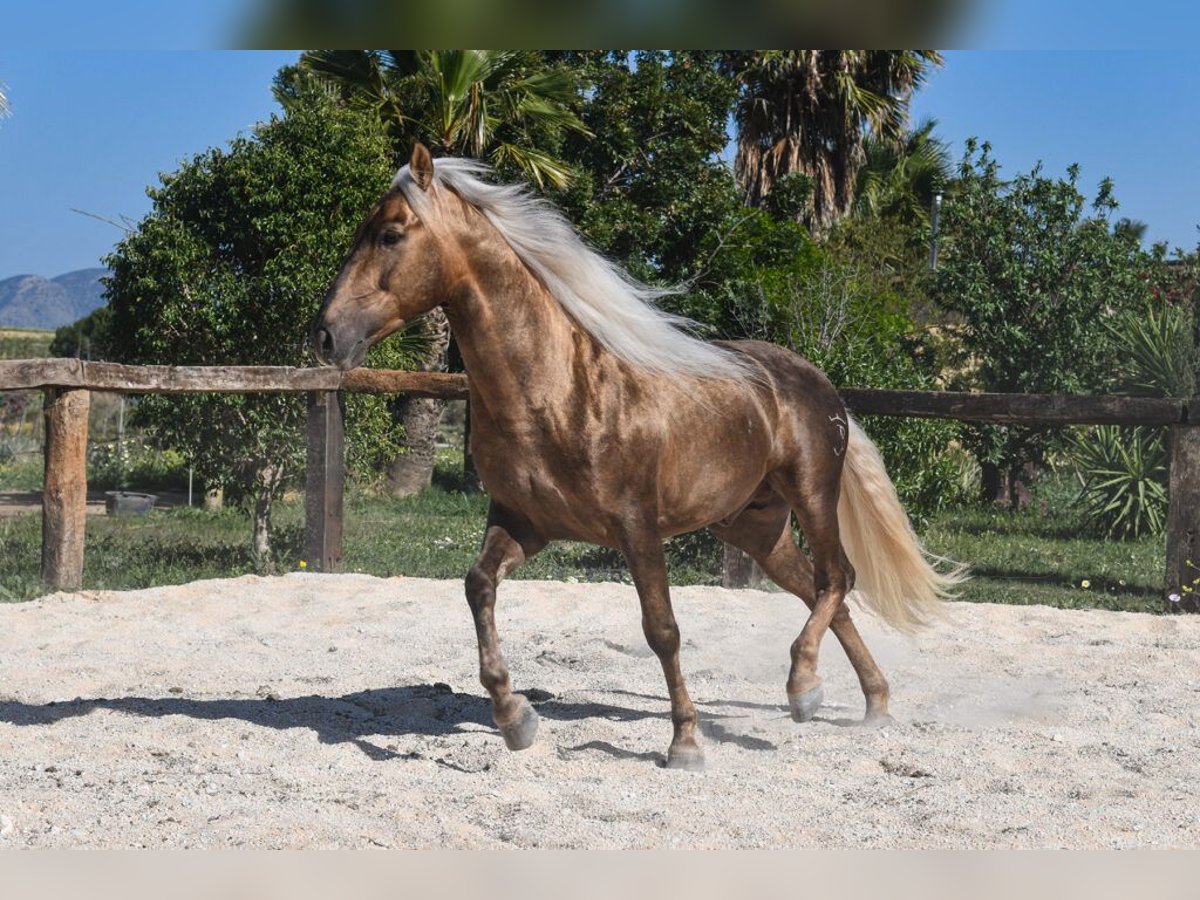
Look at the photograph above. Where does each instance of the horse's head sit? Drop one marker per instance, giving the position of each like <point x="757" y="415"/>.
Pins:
<point x="395" y="271"/>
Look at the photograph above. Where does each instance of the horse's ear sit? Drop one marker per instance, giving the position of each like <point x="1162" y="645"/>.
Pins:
<point x="421" y="166"/>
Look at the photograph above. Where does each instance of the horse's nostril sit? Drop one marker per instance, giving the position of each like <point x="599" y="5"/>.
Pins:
<point x="324" y="345"/>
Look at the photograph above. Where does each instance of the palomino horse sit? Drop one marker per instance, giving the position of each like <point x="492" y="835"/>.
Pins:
<point x="596" y="416"/>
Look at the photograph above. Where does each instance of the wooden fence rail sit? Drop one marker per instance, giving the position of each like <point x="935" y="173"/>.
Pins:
<point x="68" y="381"/>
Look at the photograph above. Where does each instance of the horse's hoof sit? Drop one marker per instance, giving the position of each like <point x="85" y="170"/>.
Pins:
<point x="686" y="759"/>
<point x="519" y="734"/>
<point x="877" y="719"/>
<point x="804" y="706"/>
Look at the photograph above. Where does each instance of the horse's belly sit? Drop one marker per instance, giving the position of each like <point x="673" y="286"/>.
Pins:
<point x="561" y="505"/>
<point x="682" y="477"/>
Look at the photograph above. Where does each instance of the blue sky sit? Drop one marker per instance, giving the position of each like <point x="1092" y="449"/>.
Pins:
<point x="1130" y="115"/>
<point x="92" y="129"/>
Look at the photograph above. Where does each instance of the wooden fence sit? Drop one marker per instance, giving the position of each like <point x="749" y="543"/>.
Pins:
<point x="67" y="383"/>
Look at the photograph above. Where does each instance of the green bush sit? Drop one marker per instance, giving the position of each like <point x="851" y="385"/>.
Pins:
<point x="135" y="464"/>
<point x="1122" y="474"/>
<point x="1034" y="271"/>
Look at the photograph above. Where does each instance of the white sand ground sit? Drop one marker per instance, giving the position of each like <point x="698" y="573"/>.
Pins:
<point x="344" y="711"/>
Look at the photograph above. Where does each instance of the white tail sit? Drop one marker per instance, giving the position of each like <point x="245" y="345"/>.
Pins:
<point x="895" y="577"/>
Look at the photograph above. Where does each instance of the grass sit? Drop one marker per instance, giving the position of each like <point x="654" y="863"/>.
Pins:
<point x="1027" y="559"/>
<point x="22" y="472"/>
<point x="1041" y="555"/>
<point x="25" y="343"/>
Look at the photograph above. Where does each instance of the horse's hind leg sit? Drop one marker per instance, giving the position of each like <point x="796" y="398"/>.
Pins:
<point x="509" y="541"/>
<point x="815" y="506"/>
<point x="764" y="531"/>
<point x="648" y="565"/>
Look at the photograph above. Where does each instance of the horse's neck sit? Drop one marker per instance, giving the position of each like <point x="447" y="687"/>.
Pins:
<point x="516" y="340"/>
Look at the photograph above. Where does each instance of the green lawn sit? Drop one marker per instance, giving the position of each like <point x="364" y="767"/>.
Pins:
<point x="1040" y="555"/>
<point x="25" y="343"/>
<point x="1036" y="557"/>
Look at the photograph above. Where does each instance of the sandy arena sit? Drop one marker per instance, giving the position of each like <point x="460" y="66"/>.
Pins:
<point x="345" y="711"/>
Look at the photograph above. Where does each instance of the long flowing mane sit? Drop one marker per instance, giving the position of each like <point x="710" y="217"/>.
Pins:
<point x="616" y="309"/>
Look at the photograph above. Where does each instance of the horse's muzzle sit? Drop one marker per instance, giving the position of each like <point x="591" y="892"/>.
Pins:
<point x="336" y="349"/>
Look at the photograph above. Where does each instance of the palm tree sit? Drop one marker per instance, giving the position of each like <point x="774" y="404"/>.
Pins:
<point x="810" y="111"/>
<point x="506" y="106"/>
<point x="899" y="179"/>
<point x="1133" y="230"/>
<point x="511" y="108"/>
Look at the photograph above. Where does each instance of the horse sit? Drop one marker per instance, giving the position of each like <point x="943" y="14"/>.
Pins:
<point x="597" y="416"/>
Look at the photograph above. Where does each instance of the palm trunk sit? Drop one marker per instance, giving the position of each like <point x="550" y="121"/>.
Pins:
<point x="262" y="532"/>
<point x="267" y="480"/>
<point x="993" y="487"/>
<point x="411" y="470"/>
<point x="738" y="570"/>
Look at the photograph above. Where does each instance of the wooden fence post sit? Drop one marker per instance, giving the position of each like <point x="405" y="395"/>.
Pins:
<point x="324" y="490"/>
<point x="64" y="487"/>
<point x="1183" y="515"/>
<point x="738" y="570"/>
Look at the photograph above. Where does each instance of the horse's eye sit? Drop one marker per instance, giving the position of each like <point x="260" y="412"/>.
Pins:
<point x="391" y="238"/>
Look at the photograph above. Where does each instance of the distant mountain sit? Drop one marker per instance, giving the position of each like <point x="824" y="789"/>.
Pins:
<point x="31" y="301"/>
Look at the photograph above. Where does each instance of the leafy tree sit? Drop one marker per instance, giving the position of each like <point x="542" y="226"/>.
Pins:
<point x="650" y="189"/>
<point x="889" y="227"/>
<point x="86" y="339"/>
<point x="509" y="107"/>
<point x="1034" y="275"/>
<point x="650" y="184"/>
<point x="227" y="269"/>
<point x="810" y="111"/>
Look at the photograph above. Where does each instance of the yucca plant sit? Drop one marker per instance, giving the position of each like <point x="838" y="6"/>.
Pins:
<point x="1122" y="475"/>
<point x="1122" y="472"/>
<point x="1162" y="359"/>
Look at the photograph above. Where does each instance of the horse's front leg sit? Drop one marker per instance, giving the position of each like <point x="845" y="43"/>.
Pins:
<point x="648" y="565"/>
<point x="509" y="541"/>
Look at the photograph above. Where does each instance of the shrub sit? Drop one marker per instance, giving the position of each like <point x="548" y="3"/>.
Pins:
<point x="1122" y="473"/>
<point x="1122" y="477"/>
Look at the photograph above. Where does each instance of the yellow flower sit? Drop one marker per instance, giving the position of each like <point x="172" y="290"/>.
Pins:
<point x="1085" y="584"/>
<point x="303" y="564"/>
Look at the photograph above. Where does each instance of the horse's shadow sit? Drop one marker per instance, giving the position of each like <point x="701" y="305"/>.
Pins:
<point x="419" y="709"/>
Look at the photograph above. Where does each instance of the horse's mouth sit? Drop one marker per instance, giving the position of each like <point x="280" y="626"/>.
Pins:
<point x="355" y="357"/>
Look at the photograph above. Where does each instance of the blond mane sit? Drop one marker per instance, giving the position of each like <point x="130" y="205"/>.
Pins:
<point x="616" y="309"/>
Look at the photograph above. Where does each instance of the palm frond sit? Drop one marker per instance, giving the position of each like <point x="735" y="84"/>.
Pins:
<point x="537" y="165"/>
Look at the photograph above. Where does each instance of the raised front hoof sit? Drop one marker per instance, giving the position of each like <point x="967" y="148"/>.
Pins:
<point x="804" y="706"/>
<point x="686" y="759"/>
<point x="519" y="734"/>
